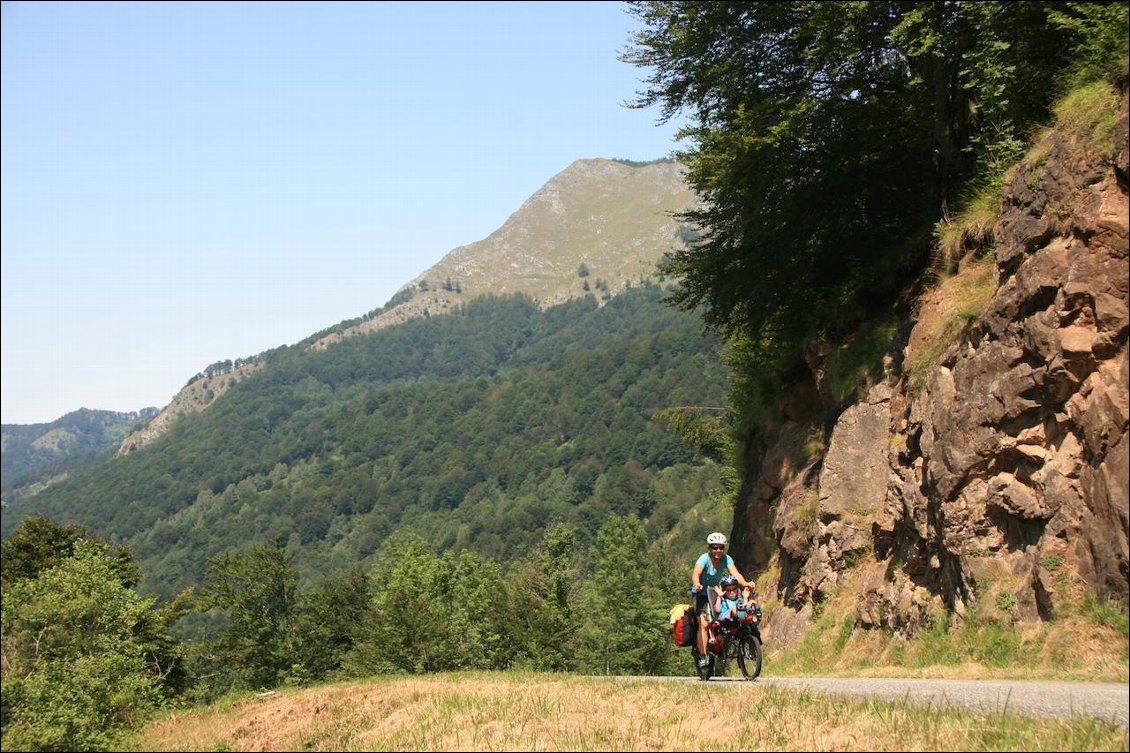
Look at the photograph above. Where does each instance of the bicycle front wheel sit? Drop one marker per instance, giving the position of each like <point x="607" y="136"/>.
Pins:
<point x="749" y="656"/>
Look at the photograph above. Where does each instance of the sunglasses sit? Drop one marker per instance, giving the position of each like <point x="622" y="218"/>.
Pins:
<point x="717" y="546"/>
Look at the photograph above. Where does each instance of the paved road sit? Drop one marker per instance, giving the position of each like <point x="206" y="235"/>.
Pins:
<point x="1107" y="701"/>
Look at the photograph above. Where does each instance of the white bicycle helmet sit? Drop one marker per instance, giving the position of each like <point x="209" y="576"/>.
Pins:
<point x="716" y="538"/>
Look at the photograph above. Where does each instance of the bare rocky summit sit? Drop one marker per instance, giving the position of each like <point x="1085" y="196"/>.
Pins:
<point x="594" y="228"/>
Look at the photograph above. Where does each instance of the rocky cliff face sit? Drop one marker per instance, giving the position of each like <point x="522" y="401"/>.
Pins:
<point x="193" y="398"/>
<point x="1004" y="472"/>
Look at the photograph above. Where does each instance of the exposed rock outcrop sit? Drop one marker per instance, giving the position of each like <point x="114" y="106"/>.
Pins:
<point x="1008" y="465"/>
<point x="193" y="398"/>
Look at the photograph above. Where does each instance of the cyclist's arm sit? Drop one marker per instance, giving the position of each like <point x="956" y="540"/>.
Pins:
<point x="741" y="578"/>
<point x="696" y="577"/>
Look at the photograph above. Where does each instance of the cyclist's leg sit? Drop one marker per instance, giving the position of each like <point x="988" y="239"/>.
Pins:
<point x="702" y="617"/>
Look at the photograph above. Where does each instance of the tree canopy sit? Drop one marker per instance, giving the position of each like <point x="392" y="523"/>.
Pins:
<point x="827" y="139"/>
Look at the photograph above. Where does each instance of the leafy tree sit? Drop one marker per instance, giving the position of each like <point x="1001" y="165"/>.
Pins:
<point x="624" y="612"/>
<point x="701" y="427"/>
<point x="540" y="605"/>
<point x="81" y="654"/>
<point x="626" y="490"/>
<point x="468" y="616"/>
<point x="1100" y="46"/>
<point x="256" y="592"/>
<point x="397" y="632"/>
<point x="828" y="138"/>
<point x="328" y="623"/>
<point x="40" y="543"/>
<point x="431" y="613"/>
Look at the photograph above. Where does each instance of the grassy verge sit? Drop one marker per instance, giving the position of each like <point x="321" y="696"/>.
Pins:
<point x="946" y="311"/>
<point x="512" y="711"/>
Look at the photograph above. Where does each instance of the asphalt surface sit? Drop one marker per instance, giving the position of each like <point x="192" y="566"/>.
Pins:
<point x="1109" y="702"/>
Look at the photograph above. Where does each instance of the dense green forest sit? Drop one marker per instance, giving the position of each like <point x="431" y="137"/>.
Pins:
<point x="87" y="658"/>
<point x="475" y="430"/>
<point x="455" y="492"/>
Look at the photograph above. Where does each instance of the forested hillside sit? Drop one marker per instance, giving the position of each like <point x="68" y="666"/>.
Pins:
<point x="456" y="492"/>
<point x="476" y="430"/>
<point x="35" y="453"/>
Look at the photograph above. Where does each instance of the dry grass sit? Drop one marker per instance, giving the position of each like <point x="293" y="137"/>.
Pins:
<point x="943" y="314"/>
<point x="1089" y="116"/>
<point x="1068" y="649"/>
<point x="490" y="711"/>
<point x="528" y="711"/>
<point x="969" y="230"/>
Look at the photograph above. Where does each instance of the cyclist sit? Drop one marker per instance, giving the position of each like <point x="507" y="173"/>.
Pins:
<point x="707" y="573"/>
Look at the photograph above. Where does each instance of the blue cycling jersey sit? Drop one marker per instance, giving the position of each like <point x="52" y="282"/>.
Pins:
<point x="710" y="576"/>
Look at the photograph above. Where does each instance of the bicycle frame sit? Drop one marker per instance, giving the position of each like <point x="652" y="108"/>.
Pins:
<point x="738" y="639"/>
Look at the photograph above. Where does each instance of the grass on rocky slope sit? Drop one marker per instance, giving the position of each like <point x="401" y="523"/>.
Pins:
<point x="1087" y="640"/>
<point x="944" y="312"/>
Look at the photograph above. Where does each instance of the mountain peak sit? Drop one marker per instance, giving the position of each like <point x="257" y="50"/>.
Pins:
<point x="596" y="227"/>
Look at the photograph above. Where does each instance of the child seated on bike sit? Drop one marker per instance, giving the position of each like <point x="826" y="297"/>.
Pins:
<point x="734" y="604"/>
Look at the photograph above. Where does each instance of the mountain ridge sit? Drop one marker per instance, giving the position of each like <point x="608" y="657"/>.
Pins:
<point x="34" y="454"/>
<point x="540" y="249"/>
<point x="628" y="204"/>
<point x="476" y="430"/>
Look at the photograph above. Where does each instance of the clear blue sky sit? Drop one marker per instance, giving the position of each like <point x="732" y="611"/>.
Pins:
<point x="189" y="182"/>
